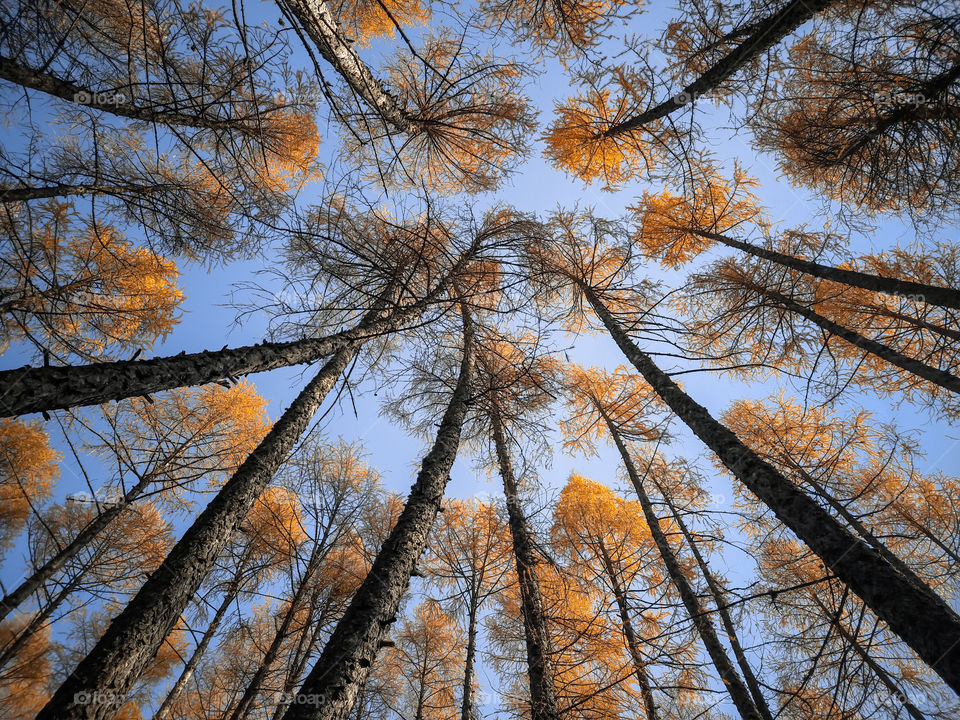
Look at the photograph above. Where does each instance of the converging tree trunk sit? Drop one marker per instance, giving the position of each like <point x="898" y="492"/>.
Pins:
<point x="698" y="615"/>
<point x="108" y="672"/>
<point x="543" y="697"/>
<point x="332" y="686"/>
<point x="914" y="612"/>
<point x="767" y="33"/>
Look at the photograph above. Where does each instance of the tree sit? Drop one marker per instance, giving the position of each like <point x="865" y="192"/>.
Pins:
<point x="28" y="469"/>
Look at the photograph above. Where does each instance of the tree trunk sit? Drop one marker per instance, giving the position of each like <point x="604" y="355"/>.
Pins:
<point x="332" y="686"/>
<point x="191" y="665"/>
<point x="698" y="615"/>
<point x="884" y="352"/>
<point x="769" y="32"/>
<point x="719" y="599"/>
<point x="543" y="699"/>
<point x="29" y="389"/>
<point x="467" y="709"/>
<point x="39" y="576"/>
<point x="316" y="19"/>
<point x="914" y="612"/>
<point x="630" y="634"/>
<point x="888" y="682"/>
<point x="930" y="294"/>
<point x="24" y="194"/>
<point x="108" y="672"/>
<point x="115" y="101"/>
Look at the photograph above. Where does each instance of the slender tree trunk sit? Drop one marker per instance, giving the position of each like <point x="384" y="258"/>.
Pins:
<point x="914" y="612"/>
<point x="884" y="352"/>
<point x="317" y="20"/>
<point x="467" y="709"/>
<point x="29" y="389"/>
<point x="930" y="294"/>
<point x="114" y="101"/>
<point x="768" y="33"/>
<point x="24" y="194"/>
<point x="311" y="634"/>
<point x="719" y="599"/>
<point x="630" y="635"/>
<point x="191" y="665"/>
<point x="39" y="576"/>
<point x="253" y="686"/>
<point x="882" y="675"/>
<point x="37" y="622"/>
<point x="331" y="688"/>
<point x="543" y="698"/>
<point x="718" y="655"/>
<point x="136" y="634"/>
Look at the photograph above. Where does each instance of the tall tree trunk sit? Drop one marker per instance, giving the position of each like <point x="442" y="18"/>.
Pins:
<point x="30" y="389"/>
<point x="14" y="598"/>
<point x="23" y="194"/>
<point x="136" y="634"/>
<point x="929" y="373"/>
<point x="543" y="697"/>
<point x="914" y="612"/>
<point x="769" y="31"/>
<point x="698" y="615"/>
<point x="719" y="599"/>
<point x="882" y="675"/>
<point x="332" y="686"/>
<point x="467" y="709"/>
<point x="630" y="634"/>
<point x="317" y="20"/>
<point x="115" y="103"/>
<point x="198" y="652"/>
<point x="930" y="294"/>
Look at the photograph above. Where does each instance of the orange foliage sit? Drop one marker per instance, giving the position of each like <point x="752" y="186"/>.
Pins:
<point x="28" y="469"/>
<point x="364" y="20"/>
<point x="23" y="684"/>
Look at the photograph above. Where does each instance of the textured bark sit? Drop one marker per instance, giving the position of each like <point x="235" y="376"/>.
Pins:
<point x="467" y="710"/>
<point x="731" y="680"/>
<point x="884" y="352"/>
<point x="769" y="31"/>
<point x="543" y="698"/>
<point x="108" y="672"/>
<point x="316" y="19"/>
<point x="50" y="84"/>
<point x="914" y="612"/>
<point x="197" y="655"/>
<point x="30" y="389"/>
<point x="23" y="194"/>
<point x="930" y="294"/>
<point x="888" y="682"/>
<point x="334" y="682"/>
<point x="719" y="599"/>
<point x="630" y="635"/>
<point x="46" y="571"/>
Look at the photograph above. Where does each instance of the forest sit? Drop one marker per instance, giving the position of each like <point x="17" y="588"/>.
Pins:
<point x="479" y="360"/>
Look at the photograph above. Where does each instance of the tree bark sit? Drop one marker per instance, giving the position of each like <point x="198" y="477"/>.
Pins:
<point x="630" y="635"/>
<point x="107" y="673"/>
<point x="29" y="389"/>
<point x="332" y="686"/>
<point x="718" y="655"/>
<point x="768" y="33"/>
<point x="115" y="104"/>
<point x="318" y="22"/>
<point x="467" y="710"/>
<point x="914" y="612"/>
<point x="719" y="599"/>
<point x="929" y="373"/>
<point x="24" y="194"/>
<point x="191" y="665"/>
<point x="930" y="294"/>
<point x="543" y="698"/>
